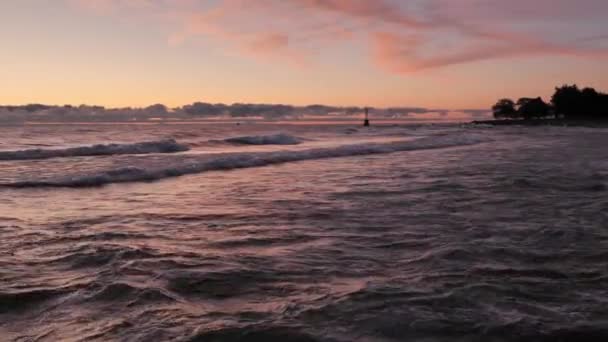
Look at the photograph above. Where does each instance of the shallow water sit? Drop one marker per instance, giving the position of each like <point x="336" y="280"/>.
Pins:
<point x="435" y="233"/>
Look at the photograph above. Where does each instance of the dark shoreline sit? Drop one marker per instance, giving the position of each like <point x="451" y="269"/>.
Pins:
<point x="545" y="122"/>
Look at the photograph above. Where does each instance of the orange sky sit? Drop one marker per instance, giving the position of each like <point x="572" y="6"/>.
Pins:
<point x="436" y="53"/>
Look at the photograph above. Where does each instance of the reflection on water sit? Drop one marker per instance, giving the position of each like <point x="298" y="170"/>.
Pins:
<point x="500" y="240"/>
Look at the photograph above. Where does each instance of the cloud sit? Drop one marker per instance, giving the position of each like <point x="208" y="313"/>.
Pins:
<point x="111" y="6"/>
<point x="272" y="41"/>
<point x="402" y="36"/>
<point x="202" y="110"/>
<point x="363" y="9"/>
<point x="404" y="54"/>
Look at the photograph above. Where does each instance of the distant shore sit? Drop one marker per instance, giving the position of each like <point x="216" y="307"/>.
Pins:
<point x="545" y="122"/>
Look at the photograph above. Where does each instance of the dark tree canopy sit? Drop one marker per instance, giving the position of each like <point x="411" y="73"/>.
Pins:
<point x="529" y="108"/>
<point x="504" y="109"/>
<point x="571" y="102"/>
<point x="568" y="101"/>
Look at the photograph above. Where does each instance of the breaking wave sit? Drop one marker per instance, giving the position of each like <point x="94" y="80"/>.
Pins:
<point x="276" y="139"/>
<point x="246" y="160"/>
<point x="161" y="146"/>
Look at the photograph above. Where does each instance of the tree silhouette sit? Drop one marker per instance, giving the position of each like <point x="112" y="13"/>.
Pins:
<point x="504" y="109"/>
<point x="574" y="103"/>
<point x="567" y="101"/>
<point x="529" y="108"/>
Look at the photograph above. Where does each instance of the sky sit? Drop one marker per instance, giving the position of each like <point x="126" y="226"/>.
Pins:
<point x="448" y="54"/>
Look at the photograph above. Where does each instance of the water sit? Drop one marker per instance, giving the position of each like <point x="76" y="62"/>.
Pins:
<point x="417" y="233"/>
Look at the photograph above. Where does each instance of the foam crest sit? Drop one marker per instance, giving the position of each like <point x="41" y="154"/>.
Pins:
<point x="276" y="139"/>
<point x="246" y="160"/>
<point x="161" y="146"/>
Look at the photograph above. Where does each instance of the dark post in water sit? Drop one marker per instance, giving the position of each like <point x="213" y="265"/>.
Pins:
<point x="366" y="122"/>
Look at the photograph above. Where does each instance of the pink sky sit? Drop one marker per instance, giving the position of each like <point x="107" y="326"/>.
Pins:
<point x="433" y="53"/>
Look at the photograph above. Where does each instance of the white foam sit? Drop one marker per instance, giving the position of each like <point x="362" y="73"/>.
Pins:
<point x="277" y="139"/>
<point x="161" y="146"/>
<point x="245" y="160"/>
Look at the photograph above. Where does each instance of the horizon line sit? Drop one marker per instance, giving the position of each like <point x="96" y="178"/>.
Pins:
<point x="168" y="107"/>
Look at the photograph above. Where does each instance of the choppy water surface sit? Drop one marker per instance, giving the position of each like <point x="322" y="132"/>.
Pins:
<point x="321" y="233"/>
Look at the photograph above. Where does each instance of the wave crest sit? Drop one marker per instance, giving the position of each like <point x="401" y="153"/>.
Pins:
<point x="276" y="139"/>
<point x="161" y="146"/>
<point x="246" y="160"/>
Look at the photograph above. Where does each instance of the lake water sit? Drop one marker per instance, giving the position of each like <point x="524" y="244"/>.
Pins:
<point x="303" y="233"/>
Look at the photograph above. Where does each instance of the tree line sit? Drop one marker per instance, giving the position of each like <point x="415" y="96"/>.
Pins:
<point x="568" y="102"/>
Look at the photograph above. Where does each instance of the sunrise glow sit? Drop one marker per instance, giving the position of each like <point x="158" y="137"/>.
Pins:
<point x="435" y="54"/>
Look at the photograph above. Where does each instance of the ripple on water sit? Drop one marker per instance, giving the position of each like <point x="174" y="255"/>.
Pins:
<point x="496" y="242"/>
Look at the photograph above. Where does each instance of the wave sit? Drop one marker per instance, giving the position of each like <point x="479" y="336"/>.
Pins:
<point x="246" y="160"/>
<point x="161" y="146"/>
<point x="240" y="334"/>
<point x="10" y="301"/>
<point x="277" y="139"/>
<point x="119" y="291"/>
